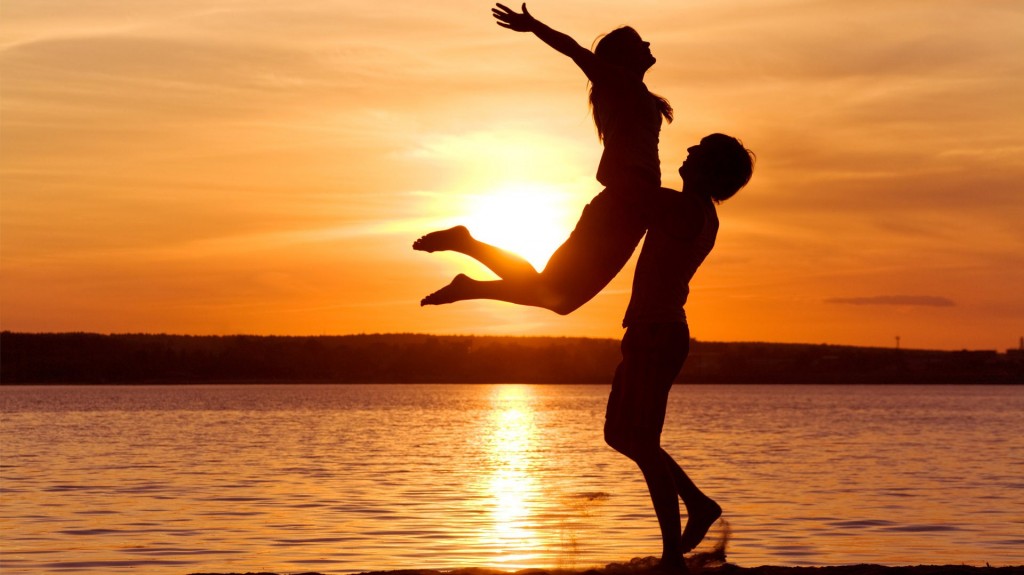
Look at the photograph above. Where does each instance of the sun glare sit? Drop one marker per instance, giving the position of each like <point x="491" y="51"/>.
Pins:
<point x="513" y="489"/>
<point x="529" y="219"/>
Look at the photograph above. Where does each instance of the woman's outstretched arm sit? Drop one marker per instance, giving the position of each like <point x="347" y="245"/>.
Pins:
<point x="525" y="22"/>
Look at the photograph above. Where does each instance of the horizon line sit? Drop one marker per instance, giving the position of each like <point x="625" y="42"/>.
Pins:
<point x="495" y="336"/>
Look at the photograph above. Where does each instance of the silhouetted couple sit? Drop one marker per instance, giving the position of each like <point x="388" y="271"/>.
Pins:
<point x="680" y="228"/>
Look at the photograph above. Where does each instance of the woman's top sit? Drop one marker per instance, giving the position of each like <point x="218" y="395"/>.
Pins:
<point x="631" y="123"/>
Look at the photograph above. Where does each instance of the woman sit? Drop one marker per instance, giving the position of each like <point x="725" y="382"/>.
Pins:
<point x="628" y="119"/>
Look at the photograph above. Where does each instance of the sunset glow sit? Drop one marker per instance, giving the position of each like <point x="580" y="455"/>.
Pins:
<point x="526" y="219"/>
<point x="219" y="167"/>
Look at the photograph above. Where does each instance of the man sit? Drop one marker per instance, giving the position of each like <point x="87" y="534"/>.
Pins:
<point x="681" y="233"/>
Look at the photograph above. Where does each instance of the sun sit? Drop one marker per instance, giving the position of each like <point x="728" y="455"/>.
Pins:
<point x="529" y="219"/>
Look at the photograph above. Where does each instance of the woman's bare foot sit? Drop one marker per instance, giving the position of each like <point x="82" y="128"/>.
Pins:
<point x="699" y="519"/>
<point x="457" y="290"/>
<point x="451" y="239"/>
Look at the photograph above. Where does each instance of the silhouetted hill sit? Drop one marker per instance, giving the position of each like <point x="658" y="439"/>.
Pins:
<point x="412" y="358"/>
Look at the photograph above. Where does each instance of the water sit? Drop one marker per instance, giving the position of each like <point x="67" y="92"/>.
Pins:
<point x="336" y="479"/>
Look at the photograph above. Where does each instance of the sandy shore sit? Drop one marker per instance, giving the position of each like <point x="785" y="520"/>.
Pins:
<point x="712" y="562"/>
<point x="723" y="569"/>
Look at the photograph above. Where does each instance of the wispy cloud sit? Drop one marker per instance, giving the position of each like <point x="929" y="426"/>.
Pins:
<point x="186" y="152"/>
<point x="897" y="300"/>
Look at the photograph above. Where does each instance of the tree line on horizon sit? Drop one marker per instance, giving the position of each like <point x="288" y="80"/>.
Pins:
<point x="86" y="358"/>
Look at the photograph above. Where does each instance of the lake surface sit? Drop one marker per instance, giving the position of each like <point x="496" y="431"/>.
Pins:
<point x="345" y="478"/>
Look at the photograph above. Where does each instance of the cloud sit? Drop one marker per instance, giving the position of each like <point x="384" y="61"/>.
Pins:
<point x="185" y="151"/>
<point x="901" y="300"/>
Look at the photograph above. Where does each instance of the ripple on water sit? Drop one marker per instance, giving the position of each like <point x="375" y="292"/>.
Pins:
<point x="357" y="478"/>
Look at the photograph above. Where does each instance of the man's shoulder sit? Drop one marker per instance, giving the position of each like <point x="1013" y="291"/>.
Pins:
<point x="680" y="214"/>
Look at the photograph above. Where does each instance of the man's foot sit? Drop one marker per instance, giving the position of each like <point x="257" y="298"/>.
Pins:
<point x="451" y="239"/>
<point x="699" y="519"/>
<point x="458" y="290"/>
<point x="673" y="566"/>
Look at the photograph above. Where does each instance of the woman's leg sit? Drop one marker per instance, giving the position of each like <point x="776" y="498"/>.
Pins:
<point x="603" y="241"/>
<point x="520" y="283"/>
<point x="530" y="292"/>
<point x="505" y="264"/>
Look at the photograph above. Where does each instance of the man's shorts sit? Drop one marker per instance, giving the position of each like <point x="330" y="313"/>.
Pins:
<point x="652" y="355"/>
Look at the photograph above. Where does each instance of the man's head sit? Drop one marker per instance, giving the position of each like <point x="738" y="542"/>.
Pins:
<point x="718" y="166"/>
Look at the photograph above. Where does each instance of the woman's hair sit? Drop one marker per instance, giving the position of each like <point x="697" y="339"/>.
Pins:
<point x="729" y="165"/>
<point x="610" y="48"/>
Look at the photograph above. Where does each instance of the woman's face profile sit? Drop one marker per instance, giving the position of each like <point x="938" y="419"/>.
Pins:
<point x="630" y="50"/>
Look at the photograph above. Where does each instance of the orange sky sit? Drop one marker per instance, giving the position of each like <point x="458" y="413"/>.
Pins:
<point x="262" y="167"/>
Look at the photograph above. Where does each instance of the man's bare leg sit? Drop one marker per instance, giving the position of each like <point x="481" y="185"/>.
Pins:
<point x="701" y="510"/>
<point x="660" y="485"/>
<point x="505" y="264"/>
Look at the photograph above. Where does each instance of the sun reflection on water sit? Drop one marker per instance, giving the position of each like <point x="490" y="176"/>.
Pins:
<point x="512" y="487"/>
<point x="354" y="478"/>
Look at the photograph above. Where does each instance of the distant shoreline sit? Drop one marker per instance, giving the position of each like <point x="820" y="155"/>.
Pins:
<point x="87" y="358"/>
<point x="228" y="383"/>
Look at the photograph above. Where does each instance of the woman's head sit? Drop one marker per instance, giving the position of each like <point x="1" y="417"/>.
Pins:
<point x="624" y="47"/>
<point x="719" y="165"/>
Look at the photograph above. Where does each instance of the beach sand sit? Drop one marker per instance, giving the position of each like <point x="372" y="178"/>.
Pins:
<point x="711" y="562"/>
<point x="726" y="569"/>
<point x="642" y="566"/>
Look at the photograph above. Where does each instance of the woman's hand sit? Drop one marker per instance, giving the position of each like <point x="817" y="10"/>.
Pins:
<point x="508" y="18"/>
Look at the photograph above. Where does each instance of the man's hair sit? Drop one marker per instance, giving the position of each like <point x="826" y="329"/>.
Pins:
<point x="730" y="165"/>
